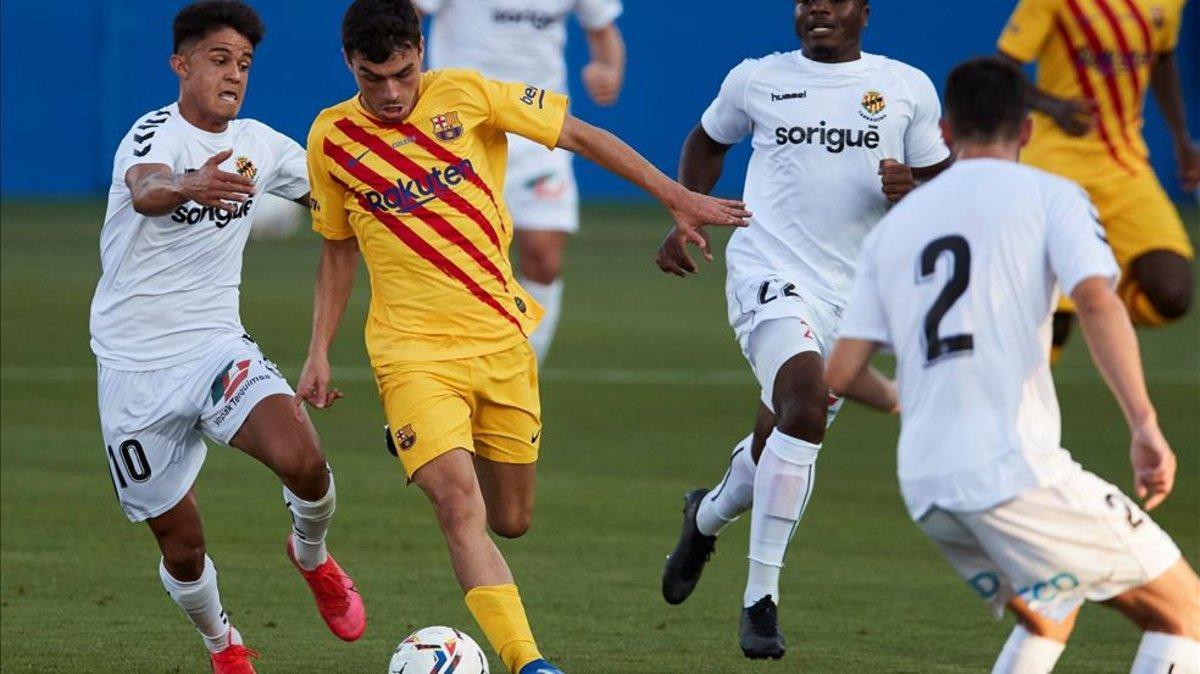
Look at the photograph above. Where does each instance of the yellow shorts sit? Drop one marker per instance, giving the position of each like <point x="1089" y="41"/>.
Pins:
<point x="1138" y="217"/>
<point x="487" y="405"/>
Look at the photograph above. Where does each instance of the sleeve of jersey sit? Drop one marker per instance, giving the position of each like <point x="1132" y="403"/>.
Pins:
<point x="597" y="14"/>
<point x="1027" y="29"/>
<point x="1075" y="240"/>
<point x="726" y="119"/>
<point x="526" y="110"/>
<point x="328" y="197"/>
<point x="1172" y="24"/>
<point x="147" y="146"/>
<point x="865" y="318"/>
<point x="291" y="177"/>
<point x="923" y="143"/>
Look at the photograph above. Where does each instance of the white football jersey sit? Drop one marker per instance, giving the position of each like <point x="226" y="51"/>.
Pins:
<point x="511" y="40"/>
<point x="962" y="279"/>
<point x="819" y="132"/>
<point x="169" y="284"/>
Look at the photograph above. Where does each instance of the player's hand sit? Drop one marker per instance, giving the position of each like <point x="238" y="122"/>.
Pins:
<point x="313" y="387"/>
<point x="1187" y="154"/>
<point x="897" y="179"/>
<point x="211" y="186"/>
<point x="1153" y="465"/>
<point x="603" y="83"/>
<point x="673" y="257"/>
<point x="692" y="210"/>
<point x="1076" y="117"/>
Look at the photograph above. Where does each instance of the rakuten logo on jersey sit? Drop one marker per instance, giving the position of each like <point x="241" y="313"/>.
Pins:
<point x="408" y="195"/>
<point x="197" y="214"/>
<point x="833" y="139"/>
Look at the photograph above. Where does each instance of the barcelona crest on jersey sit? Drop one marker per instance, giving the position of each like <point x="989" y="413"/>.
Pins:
<point x="446" y="126"/>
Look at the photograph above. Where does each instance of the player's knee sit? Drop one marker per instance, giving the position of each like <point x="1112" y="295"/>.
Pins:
<point x="1040" y="626"/>
<point x="510" y="524"/>
<point x="803" y="416"/>
<point x="458" y="506"/>
<point x="305" y="473"/>
<point x="183" y="555"/>
<point x="1170" y="299"/>
<point x="542" y="266"/>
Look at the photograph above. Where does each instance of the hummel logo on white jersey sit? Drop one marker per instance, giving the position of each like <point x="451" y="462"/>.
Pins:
<point x="788" y="97"/>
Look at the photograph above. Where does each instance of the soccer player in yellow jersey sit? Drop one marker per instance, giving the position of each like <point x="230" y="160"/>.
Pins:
<point x="409" y="172"/>
<point x="1096" y="61"/>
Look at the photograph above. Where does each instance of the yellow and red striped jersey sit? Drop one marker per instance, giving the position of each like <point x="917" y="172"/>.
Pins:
<point x="425" y="200"/>
<point x="1097" y="49"/>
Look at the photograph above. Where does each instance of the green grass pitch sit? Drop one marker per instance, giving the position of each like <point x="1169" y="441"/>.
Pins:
<point x="644" y="395"/>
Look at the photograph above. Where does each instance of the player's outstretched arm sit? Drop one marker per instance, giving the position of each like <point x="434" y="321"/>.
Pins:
<point x="700" y="165"/>
<point x="690" y="210"/>
<point x="873" y="389"/>
<point x="1114" y="347"/>
<point x="605" y="74"/>
<point x="1164" y="79"/>
<point x="849" y="370"/>
<point x="1076" y="117"/>
<point x="335" y="281"/>
<point x="156" y="191"/>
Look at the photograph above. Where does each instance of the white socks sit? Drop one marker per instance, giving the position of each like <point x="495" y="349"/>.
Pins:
<point x="733" y="495"/>
<point x="201" y="601"/>
<point x="1025" y="653"/>
<point x="310" y="521"/>
<point x="782" y="486"/>
<point x="550" y="297"/>
<point x="1166" y="654"/>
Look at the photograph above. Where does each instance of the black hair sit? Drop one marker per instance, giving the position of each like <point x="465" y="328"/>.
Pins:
<point x="199" y="19"/>
<point x="986" y="100"/>
<point x="377" y="28"/>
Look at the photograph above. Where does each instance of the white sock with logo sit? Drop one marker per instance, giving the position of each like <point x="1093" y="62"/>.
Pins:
<point x="201" y="602"/>
<point x="1025" y="653"/>
<point x="310" y="522"/>
<point x="782" y="486"/>
<point x="549" y="295"/>
<point x="1161" y="653"/>
<point x="733" y="495"/>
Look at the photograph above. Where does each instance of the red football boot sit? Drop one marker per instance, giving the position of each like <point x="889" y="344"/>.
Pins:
<point x="235" y="659"/>
<point x="338" y="600"/>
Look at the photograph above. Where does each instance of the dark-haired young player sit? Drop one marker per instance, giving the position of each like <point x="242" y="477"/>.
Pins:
<point x="175" y="364"/>
<point x="826" y="122"/>
<point x="410" y="171"/>
<point x="961" y="280"/>
<point x="1097" y="60"/>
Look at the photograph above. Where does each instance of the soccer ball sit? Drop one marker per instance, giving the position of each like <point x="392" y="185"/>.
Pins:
<point x="438" y="650"/>
<point x="275" y="217"/>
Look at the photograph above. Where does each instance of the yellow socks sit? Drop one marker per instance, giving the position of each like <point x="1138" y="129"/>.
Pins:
<point x="498" y="610"/>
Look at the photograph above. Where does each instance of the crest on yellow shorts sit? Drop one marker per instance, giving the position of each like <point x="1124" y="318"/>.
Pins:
<point x="406" y="437"/>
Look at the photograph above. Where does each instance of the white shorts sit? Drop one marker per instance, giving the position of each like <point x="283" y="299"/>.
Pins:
<point x="153" y="421"/>
<point x="539" y="187"/>
<point x="774" y="320"/>
<point x="1055" y="547"/>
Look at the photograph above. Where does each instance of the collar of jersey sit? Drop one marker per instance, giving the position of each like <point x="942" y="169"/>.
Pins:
<point x="855" y="67"/>
<point x="197" y="131"/>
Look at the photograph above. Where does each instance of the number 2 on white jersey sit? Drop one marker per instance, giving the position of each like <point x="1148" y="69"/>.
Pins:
<point x="956" y="246"/>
